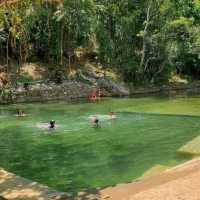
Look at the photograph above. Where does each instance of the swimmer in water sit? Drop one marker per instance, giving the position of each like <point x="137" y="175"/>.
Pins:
<point x="23" y="114"/>
<point x="111" y="115"/>
<point x="52" y="124"/>
<point x="20" y="113"/>
<point x="95" y="122"/>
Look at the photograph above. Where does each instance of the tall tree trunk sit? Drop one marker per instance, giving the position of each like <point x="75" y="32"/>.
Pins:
<point x="48" y="25"/>
<point x="61" y="43"/>
<point x="145" y="33"/>
<point x="7" y="52"/>
<point x="70" y="63"/>
<point x="20" y="60"/>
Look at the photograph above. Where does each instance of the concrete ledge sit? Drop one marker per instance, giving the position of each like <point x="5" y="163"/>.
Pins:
<point x="155" y="170"/>
<point x="192" y="147"/>
<point x="13" y="187"/>
<point x="178" y="183"/>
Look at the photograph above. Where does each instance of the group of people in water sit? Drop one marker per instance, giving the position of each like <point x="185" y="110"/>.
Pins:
<point x="95" y="120"/>
<point x="52" y="124"/>
<point x="20" y="113"/>
<point x="94" y="95"/>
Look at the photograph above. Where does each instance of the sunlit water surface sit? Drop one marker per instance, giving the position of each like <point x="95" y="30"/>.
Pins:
<point x="77" y="156"/>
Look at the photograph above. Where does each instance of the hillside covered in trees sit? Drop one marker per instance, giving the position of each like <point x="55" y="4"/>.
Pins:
<point x="144" y="41"/>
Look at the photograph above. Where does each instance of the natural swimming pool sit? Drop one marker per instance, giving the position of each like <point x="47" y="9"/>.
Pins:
<point x="147" y="131"/>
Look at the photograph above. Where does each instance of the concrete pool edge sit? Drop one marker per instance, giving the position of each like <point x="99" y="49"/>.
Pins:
<point x="13" y="187"/>
<point x="179" y="182"/>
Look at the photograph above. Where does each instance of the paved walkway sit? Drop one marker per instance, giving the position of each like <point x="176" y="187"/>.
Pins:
<point x="179" y="183"/>
<point x="13" y="187"/>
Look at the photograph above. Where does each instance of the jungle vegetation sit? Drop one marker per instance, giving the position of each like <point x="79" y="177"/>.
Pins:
<point x="145" y="41"/>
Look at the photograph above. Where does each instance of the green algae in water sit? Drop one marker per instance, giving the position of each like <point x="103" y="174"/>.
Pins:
<point x="77" y="156"/>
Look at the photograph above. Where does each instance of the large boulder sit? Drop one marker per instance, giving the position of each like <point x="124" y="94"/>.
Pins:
<point x="3" y="79"/>
<point x="107" y="84"/>
<point x="112" y="87"/>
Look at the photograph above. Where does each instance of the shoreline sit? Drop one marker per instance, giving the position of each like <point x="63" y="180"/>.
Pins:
<point x="72" y="91"/>
<point x="175" y="183"/>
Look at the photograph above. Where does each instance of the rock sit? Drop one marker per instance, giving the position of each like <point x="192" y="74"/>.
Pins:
<point x="42" y="92"/>
<point x="113" y="87"/>
<point x="3" y="78"/>
<point x="104" y="83"/>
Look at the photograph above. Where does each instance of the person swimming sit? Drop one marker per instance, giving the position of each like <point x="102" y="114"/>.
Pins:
<point x="52" y="124"/>
<point x="95" y="122"/>
<point x="111" y="115"/>
<point x="20" y="113"/>
<point x="23" y="114"/>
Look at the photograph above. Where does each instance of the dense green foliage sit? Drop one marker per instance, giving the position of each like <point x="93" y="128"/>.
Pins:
<point x="143" y="40"/>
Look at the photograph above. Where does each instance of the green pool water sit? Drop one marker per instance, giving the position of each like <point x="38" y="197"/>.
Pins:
<point x="76" y="156"/>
